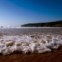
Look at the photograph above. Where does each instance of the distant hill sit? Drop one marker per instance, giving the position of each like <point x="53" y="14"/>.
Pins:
<point x="46" y="24"/>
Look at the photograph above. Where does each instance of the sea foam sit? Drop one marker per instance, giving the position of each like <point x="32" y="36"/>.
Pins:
<point x="29" y="43"/>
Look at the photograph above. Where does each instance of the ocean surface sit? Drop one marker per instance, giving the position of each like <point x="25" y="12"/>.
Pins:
<point x="30" y="30"/>
<point x="30" y="39"/>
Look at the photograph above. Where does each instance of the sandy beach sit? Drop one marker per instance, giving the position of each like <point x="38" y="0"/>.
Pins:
<point x="55" y="56"/>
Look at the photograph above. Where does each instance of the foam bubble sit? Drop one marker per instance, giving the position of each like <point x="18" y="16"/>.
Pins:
<point x="29" y="43"/>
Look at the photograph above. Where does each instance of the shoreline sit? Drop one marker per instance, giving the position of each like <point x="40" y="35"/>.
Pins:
<point x="30" y="43"/>
<point x="55" y="56"/>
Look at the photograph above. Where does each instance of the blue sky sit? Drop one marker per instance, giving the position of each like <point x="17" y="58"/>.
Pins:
<point x="17" y="12"/>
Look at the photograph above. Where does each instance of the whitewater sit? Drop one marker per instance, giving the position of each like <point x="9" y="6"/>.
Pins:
<point x="33" y="43"/>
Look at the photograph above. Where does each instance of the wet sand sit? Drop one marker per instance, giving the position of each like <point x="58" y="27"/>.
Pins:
<point x="55" y="56"/>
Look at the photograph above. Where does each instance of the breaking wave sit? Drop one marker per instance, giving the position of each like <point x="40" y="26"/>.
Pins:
<point x="38" y="43"/>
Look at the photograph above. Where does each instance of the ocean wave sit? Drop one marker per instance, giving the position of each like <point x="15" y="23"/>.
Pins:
<point x="29" y="43"/>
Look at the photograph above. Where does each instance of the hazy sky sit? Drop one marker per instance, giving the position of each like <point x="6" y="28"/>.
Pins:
<point x="18" y="12"/>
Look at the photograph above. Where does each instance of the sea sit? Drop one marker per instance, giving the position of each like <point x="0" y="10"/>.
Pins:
<point x="30" y="30"/>
<point x="21" y="39"/>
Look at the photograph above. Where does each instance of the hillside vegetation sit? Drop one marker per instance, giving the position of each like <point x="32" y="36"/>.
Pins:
<point x="46" y="24"/>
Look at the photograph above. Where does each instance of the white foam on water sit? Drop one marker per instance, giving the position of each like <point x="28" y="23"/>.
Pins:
<point x="27" y="43"/>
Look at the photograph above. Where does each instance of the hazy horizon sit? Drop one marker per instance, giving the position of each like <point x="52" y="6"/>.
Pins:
<point x="14" y="13"/>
